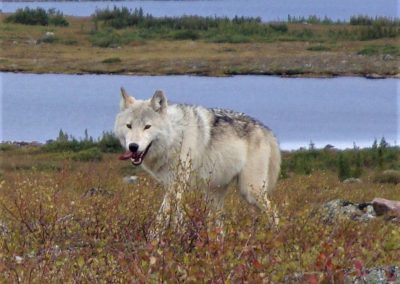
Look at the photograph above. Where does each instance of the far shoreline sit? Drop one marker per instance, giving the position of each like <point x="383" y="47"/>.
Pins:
<point x="282" y="75"/>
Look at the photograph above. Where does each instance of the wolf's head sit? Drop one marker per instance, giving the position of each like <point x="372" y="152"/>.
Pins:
<point x="139" y="123"/>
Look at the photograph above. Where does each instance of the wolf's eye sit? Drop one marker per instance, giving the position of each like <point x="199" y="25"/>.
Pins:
<point x="147" y="126"/>
<point x="129" y="126"/>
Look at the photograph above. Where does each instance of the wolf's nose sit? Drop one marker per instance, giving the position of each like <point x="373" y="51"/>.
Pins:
<point x="133" y="147"/>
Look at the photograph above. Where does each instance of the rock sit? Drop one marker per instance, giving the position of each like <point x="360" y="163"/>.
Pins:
<point x="352" y="180"/>
<point x="339" y="209"/>
<point x="342" y="209"/>
<point x="3" y="229"/>
<point x="374" y="76"/>
<point x="97" y="191"/>
<point x="390" y="274"/>
<point x="388" y="57"/>
<point x="329" y="147"/>
<point x="386" y="207"/>
<point x="373" y="275"/>
<point x="19" y="259"/>
<point x="130" y="179"/>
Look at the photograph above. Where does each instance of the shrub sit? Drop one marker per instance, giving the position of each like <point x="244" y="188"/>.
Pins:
<point x="108" y="143"/>
<point x="38" y="16"/>
<point x="106" y="38"/>
<point x="28" y="16"/>
<point x="369" y="50"/>
<point x="58" y="19"/>
<point x="112" y="60"/>
<point x="361" y="20"/>
<point x="186" y="34"/>
<point x="4" y="147"/>
<point x="91" y="154"/>
<point x="279" y="27"/>
<point x="318" y="48"/>
<point x="388" y="176"/>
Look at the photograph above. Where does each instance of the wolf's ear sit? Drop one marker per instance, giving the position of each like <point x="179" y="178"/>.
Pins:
<point x="159" y="101"/>
<point x="126" y="100"/>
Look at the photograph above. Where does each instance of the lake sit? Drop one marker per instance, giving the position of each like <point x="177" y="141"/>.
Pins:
<point x="266" y="9"/>
<point x="338" y="111"/>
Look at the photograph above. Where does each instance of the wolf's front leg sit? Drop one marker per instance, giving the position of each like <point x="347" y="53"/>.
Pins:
<point x="169" y="214"/>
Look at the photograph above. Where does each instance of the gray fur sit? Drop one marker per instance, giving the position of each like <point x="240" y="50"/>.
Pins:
<point x="218" y="145"/>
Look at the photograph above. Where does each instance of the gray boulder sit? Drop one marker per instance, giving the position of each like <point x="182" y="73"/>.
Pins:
<point x="342" y="209"/>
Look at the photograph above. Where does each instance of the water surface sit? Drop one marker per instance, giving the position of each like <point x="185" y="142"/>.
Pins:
<point x="338" y="111"/>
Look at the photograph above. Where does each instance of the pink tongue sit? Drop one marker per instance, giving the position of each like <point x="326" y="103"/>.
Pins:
<point x="125" y="156"/>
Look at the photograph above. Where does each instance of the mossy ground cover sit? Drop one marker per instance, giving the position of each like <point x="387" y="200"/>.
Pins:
<point x="52" y="230"/>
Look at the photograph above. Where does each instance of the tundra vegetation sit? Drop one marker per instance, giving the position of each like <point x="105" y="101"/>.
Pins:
<point x="120" y="40"/>
<point x="66" y="215"/>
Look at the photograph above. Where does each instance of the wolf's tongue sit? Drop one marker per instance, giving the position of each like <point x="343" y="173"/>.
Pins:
<point x="125" y="156"/>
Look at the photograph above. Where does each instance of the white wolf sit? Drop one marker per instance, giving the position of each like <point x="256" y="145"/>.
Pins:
<point x="218" y="146"/>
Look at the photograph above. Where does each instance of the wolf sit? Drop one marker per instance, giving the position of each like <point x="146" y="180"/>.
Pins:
<point x="172" y="141"/>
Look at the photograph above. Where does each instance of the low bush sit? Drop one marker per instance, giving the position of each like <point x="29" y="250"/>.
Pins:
<point x="186" y="34"/>
<point x="106" y="38"/>
<point x="388" y="176"/>
<point x="107" y="143"/>
<point x="112" y="60"/>
<point x="38" y="16"/>
<point x="318" y="48"/>
<point x="362" y="20"/>
<point x="87" y="155"/>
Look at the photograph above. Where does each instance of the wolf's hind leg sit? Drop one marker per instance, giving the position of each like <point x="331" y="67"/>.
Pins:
<point x="253" y="185"/>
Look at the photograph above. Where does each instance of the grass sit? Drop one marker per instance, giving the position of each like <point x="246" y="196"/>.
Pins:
<point x="52" y="230"/>
<point x="288" y="49"/>
<point x="380" y="50"/>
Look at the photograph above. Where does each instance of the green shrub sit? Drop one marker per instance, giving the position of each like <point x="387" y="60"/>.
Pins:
<point x="58" y="20"/>
<point x="318" y="48"/>
<point x="186" y="34"/>
<point x="369" y="50"/>
<point x="38" y="16"/>
<point x="106" y="38"/>
<point x="361" y="20"/>
<point x="4" y="147"/>
<point x="313" y="19"/>
<point x="28" y="16"/>
<point x="391" y="49"/>
<point x="108" y="143"/>
<point x="112" y="60"/>
<point x="279" y="27"/>
<point x="379" y="49"/>
<point x="87" y="155"/>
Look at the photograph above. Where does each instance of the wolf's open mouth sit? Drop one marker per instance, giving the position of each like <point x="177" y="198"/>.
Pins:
<point x="137" y="157"/>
